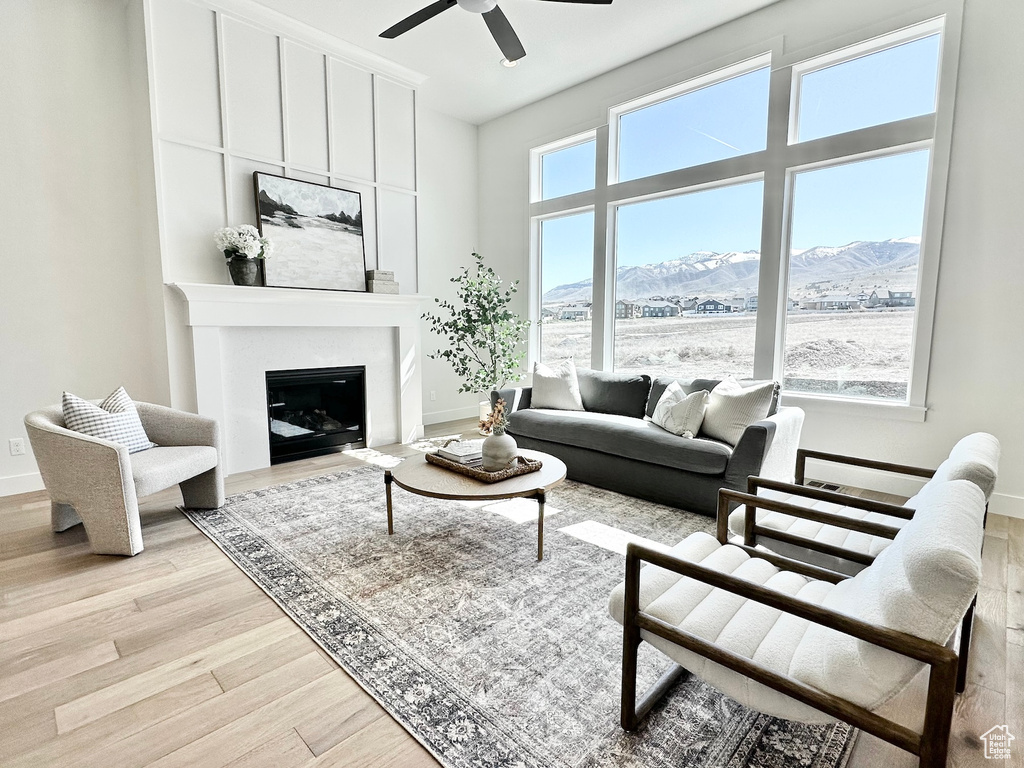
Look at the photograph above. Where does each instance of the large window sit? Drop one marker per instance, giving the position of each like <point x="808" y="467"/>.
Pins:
<point x="686" y="283"/>
<point x="853" y="270"/>
<point x="567" y="263"/>
<point x="891" y="84"/>
<point x="567" y="170"/>
<point x="722" y="119"/>
<point x="725" y="239"/>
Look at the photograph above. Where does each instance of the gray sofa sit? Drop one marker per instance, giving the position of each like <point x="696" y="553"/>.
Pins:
<point x="611" y="445"/>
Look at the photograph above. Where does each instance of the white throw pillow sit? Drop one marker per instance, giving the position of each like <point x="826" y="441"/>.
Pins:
<point x="557" y="387"/>
<point x="115" y="419"/>
<point x="680" y="413"/>
<point x="731" y="409"/>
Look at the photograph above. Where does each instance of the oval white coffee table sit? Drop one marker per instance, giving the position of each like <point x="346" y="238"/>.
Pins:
<point x="418" y="476"/>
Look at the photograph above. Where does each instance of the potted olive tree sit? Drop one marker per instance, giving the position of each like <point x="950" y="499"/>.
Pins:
<point x="484" y="339"/>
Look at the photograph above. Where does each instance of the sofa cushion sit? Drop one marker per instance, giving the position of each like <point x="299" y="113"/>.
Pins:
<point x="621" y="436"/>
<point x="732" y="408"/>
<point x="624" y="394"/>
<point x="660" y="384"/>
<point x="681" y="413"/>
<point x="556" y="387"/>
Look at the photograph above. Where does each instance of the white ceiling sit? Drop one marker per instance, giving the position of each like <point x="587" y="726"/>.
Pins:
<point x="566" y="43"/>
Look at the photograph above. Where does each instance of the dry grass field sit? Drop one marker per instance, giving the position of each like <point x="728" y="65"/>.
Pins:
<point x="860" y="352"/>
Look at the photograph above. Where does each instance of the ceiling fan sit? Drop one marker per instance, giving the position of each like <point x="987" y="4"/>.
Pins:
<point x="499" y="26"/>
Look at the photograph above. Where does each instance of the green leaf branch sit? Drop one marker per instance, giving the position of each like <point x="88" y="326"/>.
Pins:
<point x="485" y="339"/>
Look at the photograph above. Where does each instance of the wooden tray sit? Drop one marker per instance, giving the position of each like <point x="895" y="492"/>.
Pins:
<point x="520" y="465"/>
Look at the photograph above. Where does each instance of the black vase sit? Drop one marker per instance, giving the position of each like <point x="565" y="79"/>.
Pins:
<point x="243" y="271"/>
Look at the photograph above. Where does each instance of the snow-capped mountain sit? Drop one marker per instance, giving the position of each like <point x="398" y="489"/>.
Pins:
<point x="861" y="265"/>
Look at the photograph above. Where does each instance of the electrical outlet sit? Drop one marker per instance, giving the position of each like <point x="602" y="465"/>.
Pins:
<point x="433" y="395"/>
<point x="17" y="446"/>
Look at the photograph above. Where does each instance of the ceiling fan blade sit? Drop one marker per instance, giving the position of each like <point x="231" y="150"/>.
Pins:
<point x="504" y="35"/>
<point x="417" y="18"/>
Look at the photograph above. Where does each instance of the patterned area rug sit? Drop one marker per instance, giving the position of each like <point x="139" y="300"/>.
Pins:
<point x="488" y="657"/>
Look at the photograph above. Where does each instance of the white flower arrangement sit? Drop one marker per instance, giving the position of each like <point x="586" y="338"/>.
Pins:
<point x="243" y="241"/>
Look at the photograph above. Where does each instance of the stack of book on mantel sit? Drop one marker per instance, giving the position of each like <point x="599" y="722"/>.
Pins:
<point x="467" y="452"/>
<point x="381" y="281"/>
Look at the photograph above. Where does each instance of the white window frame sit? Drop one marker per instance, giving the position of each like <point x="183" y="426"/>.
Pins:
<point x="691" y="85"/>
<point x="537" y="162"/>
<point x="776" y="166"/>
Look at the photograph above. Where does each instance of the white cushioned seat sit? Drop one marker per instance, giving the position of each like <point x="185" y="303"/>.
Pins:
<point x="921" y="584"/>
<point x="750" y="629"/>
<point x="974" y="458"/>
<point x="164" y="466"/>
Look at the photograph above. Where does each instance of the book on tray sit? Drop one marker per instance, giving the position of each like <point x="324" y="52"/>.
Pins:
<point x="463" y="451"/>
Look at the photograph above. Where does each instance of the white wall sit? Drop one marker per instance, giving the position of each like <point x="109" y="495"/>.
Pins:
<point x="80" y="305"/>
<point x="448" y="237"/>
<point x="976" y="364"/>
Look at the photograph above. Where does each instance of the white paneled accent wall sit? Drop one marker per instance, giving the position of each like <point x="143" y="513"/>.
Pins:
<point x="235" y="88"/>
<point x="232" y="94"/>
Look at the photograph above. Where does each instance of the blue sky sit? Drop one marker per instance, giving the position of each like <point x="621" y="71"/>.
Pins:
<point x="874" y="199"/>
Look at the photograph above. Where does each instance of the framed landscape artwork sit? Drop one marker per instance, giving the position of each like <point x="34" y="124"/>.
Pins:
<point x="317" y="232"/>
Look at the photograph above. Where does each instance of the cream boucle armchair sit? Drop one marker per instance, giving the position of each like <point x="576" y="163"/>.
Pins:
<point x="98" y="483"/>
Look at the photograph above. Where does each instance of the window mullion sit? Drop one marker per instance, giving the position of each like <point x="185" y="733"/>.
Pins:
<point x="864" y="141"/>
<point x="603" y="296"/>
<point x="772" y="280"/>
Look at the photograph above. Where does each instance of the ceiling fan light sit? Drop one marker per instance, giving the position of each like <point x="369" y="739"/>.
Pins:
<point x="477" y="6"/>
<point x="509" y="64"/>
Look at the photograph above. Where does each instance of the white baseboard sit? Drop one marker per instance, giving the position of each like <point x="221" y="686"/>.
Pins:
<point x="452" y="414"/>
<point x="1005" y="504"/>
<point x="15" y="484"/>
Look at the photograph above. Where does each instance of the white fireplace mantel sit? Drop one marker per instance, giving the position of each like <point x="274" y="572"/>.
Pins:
<point x="212" y="311"/>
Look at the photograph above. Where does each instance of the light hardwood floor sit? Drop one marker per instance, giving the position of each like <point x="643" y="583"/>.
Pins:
<point x="175" y="658"/>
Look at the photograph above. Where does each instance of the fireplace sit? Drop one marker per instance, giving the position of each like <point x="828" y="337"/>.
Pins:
<point x="313" y="411"/>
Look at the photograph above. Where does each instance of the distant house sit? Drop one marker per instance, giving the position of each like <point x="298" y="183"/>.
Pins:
<point x="712" y="306"/>
<point x="901" y="298"/>
<point x="690" y="304"/>
<point x="547" y="313"/>
<point x="752" y="303"/>
<point x="627" y="310"/>
<point x="890" y="299"/>
<point x="575" y="312"/>
<point x="832" y="301"/>
<point x="659" y="309"/>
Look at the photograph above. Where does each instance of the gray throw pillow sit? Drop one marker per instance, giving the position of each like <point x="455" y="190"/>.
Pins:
<point x="732" y="408"/>
<point x="624" y="394"/>
<point x="115" y="419"/>
<point x="557" y="387"/>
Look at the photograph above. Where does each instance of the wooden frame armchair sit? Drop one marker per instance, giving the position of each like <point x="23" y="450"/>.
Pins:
<point x="974" y="458"/>
<point x="931" y="746"/>
<point x="683" y="586"/>
<point x="751" y="530"/>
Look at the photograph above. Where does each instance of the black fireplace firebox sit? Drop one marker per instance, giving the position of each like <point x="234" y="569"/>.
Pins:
<point x="315" y="410"/>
